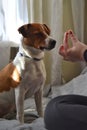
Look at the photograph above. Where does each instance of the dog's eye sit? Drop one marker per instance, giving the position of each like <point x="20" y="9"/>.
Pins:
<point x="35" y="32"/>
<point x="38" y="34"/>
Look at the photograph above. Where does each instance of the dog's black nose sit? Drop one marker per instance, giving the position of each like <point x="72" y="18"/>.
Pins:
<point x="52" y="43"/>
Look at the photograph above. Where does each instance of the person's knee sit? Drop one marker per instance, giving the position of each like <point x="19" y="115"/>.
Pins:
<point x="52" y="114"/>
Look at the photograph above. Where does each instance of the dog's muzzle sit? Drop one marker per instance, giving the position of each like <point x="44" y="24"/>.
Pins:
<point x="52" y="44"/>
<point x="49" y="44"/>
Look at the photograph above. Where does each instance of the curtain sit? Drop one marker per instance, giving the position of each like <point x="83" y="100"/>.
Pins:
<point x="13" y="13"/>
<point x="57" y="32"/>
<point x="78" y="17"/>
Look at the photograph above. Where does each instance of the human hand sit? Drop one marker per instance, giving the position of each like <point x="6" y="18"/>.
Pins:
<point x="76" y="51"/>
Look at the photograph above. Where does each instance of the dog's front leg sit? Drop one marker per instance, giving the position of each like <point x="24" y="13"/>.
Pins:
<point x="38" y="101"/>
<point x="19" y="99"/>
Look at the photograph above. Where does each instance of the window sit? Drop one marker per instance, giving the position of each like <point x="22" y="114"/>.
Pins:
<point x="13" y="13"/>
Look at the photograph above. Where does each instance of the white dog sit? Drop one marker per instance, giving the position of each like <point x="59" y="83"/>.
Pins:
<point x="27" y="71"/>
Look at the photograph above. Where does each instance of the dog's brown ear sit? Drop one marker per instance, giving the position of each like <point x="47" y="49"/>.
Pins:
<point x="24" y="30"/>
<point x="47" y="29"/>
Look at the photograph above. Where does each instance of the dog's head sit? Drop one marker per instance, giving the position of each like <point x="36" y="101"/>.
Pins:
<point x="37" y="35"/>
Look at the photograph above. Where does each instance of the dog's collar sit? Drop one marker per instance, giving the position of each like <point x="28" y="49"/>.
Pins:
<point x="36" y="59"/>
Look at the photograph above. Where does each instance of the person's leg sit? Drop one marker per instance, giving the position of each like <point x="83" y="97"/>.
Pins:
<point x="67" y="112"/>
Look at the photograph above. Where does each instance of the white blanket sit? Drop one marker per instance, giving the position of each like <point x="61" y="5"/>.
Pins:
<point x="77" y="85"/>
<point x="38" y="124"/>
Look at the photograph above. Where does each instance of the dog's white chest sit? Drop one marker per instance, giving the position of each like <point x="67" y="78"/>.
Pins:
<point x="32" y="73"/>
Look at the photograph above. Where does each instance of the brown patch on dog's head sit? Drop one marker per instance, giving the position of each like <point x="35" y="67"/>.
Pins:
<point x="35" y="34"/>
<point x="27" y="29"/>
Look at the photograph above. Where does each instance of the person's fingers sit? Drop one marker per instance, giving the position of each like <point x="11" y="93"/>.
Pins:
<point x="72" y="37"/>
<point x="62" y="50"/>
<point x="65" y="40"/>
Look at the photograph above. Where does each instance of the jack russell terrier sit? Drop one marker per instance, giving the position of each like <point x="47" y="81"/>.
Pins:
<point x="27" y="71"/>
